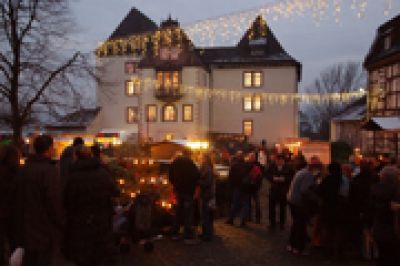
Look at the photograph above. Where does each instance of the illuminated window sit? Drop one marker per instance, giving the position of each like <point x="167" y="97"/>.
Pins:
<point x="187" y="110"/>
<point x="248" y="127"/>
<point x="151" y="113"/>
<point x="247" y="103"/>
<point x="252" y="103"/>
<point x="130" y="67"/>
<point x="252" y="79"/>
<point x="169" y="136"/>
<point x="169" y="113"/>
<point x="168" y="79"/>
<point x="132" y="87"/>
<point x="132" y="115"/>
<point x="247" y="79"/>
<point x="256" y="103"/>
<point x="256" y="79"/>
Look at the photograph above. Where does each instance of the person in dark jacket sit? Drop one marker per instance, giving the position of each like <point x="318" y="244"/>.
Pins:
<point x="9" y="165"/>
<point x="255" y="172"/>
<point x="67" y="157"/>
<point x="38" y="211"/>
<point x="184" y="177"/>
<point x="332" y="210"/>
<point x="360" y="199"/>
<point x="240" y="200"/>
<point x="279" y="175"/>
<point x="87" y="199"/>
<point x="207" y="196"/>
<point x="383" y="194"/>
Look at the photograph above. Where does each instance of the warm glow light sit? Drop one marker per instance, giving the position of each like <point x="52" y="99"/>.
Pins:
<point x="153" y="180"/>
<point x="133" y="194"/>
<point x="22" y="161"/>
<point x="151" y="162"/>
<point x="121" y="181"/>
<point x="197" y="145"/>
<point x="142" y="180"/>
<point x="165" y="181"/>
<point x="135" y="161"/>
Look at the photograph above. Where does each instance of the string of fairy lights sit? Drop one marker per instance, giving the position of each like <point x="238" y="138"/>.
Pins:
<point x="231" y="26"/>
<point x="236" y="95"/>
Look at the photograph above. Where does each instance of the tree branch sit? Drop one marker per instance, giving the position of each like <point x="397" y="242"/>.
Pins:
<point x="48" y="81"/>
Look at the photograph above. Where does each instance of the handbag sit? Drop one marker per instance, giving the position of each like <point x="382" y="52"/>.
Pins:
<point x="16" y="257"/>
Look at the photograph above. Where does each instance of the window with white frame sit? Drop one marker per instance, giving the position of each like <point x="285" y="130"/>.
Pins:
<point x="252" y="103"/>
<point x="151" y="113"/>
<point x="132" y="87"/>
<point x="248" y="127"/>
<point x="169" y="113"/>
<point x="187" y="113"/>
<point x="252" y="79"/>
<point x="132" y="115"/>
<point x="130" y="67"/>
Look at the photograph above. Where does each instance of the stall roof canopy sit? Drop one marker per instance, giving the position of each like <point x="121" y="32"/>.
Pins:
<point x="383" y="124"/>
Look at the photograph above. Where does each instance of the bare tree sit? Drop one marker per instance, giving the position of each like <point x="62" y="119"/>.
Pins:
<point x="339" y="78"/>
<point x="39" y="69"/>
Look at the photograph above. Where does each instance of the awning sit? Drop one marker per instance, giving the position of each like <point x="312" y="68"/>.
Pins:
<point x="383" y="124"/>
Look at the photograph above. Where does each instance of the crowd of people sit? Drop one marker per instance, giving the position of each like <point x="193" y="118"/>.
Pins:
<point x="47" y="212"/>
<point x="67" y="207"/>
<point x="336" y="208"/>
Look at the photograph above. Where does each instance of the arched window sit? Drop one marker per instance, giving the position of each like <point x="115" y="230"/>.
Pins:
<point x="169" y="113"/>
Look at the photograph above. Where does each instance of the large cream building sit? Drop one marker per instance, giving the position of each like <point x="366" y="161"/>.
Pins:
<point x="157" y="85"/>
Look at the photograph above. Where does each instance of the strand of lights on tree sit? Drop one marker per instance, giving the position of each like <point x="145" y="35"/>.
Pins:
<point x="234" y="95"/>
<point x="230" y="27"/>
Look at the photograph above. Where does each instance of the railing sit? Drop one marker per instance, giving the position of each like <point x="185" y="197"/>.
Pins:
<point x="168" y="94"/>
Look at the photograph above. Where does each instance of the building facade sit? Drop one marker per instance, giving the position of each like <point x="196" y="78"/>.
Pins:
<point x="382" y="127"/>
<point x="172" y="92"/>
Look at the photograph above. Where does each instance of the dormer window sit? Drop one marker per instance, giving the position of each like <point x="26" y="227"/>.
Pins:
<point x="387" y="42"/>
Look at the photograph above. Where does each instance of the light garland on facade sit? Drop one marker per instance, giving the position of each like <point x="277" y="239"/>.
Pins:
<point x="236" y="95"/>
<point x="232" y="26"/>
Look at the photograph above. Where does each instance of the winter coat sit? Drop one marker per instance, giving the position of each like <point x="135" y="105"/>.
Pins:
<point x="88" y="205"/>
<point x="66" y="162"/>
<point x="383" y="216"/>
<point x="279" y="188"/>
<point x="184" y="176"/>
<point x="333" y="204"/>
<point x="360" y="196"/>
<point x="207" y="182"/>
<point x="38" y="211"/>
<point x="302" y="183"/>
<point x="7" y="190"/>
<point x="237" y="172"/>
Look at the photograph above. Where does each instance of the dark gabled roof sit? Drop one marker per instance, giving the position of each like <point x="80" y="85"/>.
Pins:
<point x="258" y="46"/>
<point x="188" y="55"/>
<point x="377" y="54"/>
<point x="135" y="22"/>
<point x="234" y="55"/>
<point x="78" y="119"/>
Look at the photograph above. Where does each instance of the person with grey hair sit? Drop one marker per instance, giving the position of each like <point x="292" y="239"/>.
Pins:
<point x="383" y="195"/>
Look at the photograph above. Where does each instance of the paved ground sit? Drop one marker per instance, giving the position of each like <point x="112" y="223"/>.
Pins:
<point x="252" y="246"/>
<point x="233" y="246"/>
